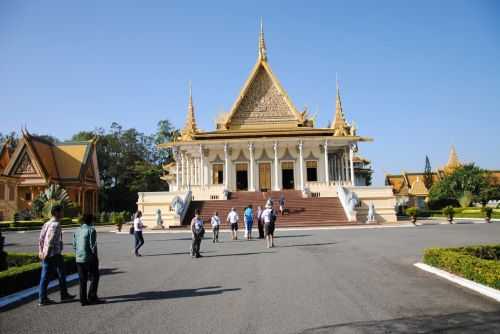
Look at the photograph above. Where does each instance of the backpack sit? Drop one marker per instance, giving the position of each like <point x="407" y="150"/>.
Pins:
<point x="273" y="217"/>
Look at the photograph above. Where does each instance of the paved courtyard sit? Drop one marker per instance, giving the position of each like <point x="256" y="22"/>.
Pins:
<point x="321" y="281"/>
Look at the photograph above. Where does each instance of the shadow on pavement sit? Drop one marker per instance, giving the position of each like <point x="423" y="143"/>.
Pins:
<point x="236" y="254"/>
<point x="167" y="254"/>
<point x="110" y="271"/>
<point x="170" y="294"/>
<point x="309" y="245"/>
<point x="293" y="236"/>
<point x="466" y="322"/>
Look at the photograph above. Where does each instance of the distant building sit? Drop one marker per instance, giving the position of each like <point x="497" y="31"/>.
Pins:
<point x="409" y="187"/>
<point x="36" y="163"/>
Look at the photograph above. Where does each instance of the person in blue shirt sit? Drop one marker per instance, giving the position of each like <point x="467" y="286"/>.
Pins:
<point x="248" y="217"/>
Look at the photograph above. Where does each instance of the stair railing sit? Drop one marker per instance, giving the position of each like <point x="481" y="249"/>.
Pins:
<point x="349" y="200"/>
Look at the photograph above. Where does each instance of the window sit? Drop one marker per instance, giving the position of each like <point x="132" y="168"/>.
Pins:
<point x="12" y="193"/>
<point x="27" y="196"/>
<point x="312" y="170"/>
<point x="2" y="191"/>
<point x="217" y="173"/>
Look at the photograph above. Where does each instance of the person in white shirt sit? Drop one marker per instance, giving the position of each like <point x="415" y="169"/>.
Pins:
<point x="233" y="218"/>
<point x="138" y="227"/>
<point x="269" y="218"/>
<point x="215" y="221"/>
<point x="197" y="231"/>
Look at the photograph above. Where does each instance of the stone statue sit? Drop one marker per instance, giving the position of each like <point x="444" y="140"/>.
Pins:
<point x="178" y="205"/>
<point x="352" y="201"/>
<point x="371" y="214"/>
<point x="159" y="221"/>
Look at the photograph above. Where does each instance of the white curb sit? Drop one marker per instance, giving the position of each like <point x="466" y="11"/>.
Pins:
<point x="15" y="297"/>
<point x="479" y="288"/>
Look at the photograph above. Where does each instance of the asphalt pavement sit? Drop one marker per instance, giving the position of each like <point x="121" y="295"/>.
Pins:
<point x="313" y="281"/>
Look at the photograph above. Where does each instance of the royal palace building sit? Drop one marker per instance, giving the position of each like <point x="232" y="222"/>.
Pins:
<point x="263" y="146"/>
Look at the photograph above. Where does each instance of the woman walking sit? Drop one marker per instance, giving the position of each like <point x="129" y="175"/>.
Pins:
<point x="248" y="217"/>
<point x="269" y="217"/>
<point x="138" y="227"/>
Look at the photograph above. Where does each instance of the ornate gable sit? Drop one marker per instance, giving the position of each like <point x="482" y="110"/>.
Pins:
<point x="25" y="167"/>
<point x="262" y="103"/>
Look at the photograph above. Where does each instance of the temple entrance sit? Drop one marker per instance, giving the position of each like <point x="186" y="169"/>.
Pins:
<point x="241" y="176"/>
<point x="265" y="176"/>
<point x="287" y="175"/>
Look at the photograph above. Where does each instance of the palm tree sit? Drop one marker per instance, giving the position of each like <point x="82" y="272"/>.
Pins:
<point x="52" y="196"/>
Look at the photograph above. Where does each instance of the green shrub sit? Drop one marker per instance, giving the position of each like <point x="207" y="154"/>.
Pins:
<point x="26" y="276"/>
<point x="477" y="263"/>
<point x="448" y="211"/>
<point x="104" y="218"/>
<point x="412" y="212"/>
<point x="487" y="212"/>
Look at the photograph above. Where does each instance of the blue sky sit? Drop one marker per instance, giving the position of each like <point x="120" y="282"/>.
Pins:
<point x="417" y="76"/>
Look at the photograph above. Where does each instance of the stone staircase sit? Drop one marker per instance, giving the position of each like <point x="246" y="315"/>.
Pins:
<point x="303" y="212"/>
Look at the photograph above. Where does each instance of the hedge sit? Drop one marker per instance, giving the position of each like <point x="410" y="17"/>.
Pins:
<point x="478" y="263"/>
<point x="27" y="275"/>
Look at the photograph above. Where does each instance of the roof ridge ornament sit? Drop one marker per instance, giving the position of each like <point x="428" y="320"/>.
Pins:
<point x="262" y="43"/>
<point x="190" y="128"/>
<point x="339" y="124"/>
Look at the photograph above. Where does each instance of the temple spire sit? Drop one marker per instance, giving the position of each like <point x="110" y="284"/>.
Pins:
<point x="262" y="43"/>
<point x="453" y="162"/>
<point x="339" y="123"/>
<point x="190" y="128"/>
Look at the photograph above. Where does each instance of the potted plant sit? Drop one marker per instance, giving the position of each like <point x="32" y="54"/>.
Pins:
<point x="412" y="213"/>
<point x="117" y="219"/>
<point x="449" y="212"/>
<point x="487" y="214"/>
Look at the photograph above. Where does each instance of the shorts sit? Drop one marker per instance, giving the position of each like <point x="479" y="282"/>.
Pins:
<point x="234" y="227"/>
<point x="268" y="229"/>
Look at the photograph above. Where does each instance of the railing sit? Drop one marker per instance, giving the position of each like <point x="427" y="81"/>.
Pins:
<point x="349" y="202"/>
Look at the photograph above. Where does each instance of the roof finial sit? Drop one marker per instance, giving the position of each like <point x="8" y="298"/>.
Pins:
<point x="262" y="43"/>
<point x="453" y="162"/>
<point x="339" y="123"/>
<point x="190" y="127"/>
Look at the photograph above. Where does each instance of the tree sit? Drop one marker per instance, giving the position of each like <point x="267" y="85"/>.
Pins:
<point x="466" y="179"/>
<point x="427" y="173"/>
<point x="129" y="162"/>
<point x="45" y="201"/>
<point x="11" y="139"/>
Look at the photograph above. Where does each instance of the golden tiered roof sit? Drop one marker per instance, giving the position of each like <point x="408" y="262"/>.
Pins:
<point x="339" y="124"/>
<point x="190" y="128"/>
<point x="453" y="162"/>
<point x="36" y="157"/>
<point x="264" y="109"/>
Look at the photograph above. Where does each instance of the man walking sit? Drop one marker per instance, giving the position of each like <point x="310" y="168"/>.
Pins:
<point x="87" y="263"/>
<point x="197" y="231"/>
<point x="50" y="245"/>
<point x="233" y="218"/>
<point x="215" y="221"/>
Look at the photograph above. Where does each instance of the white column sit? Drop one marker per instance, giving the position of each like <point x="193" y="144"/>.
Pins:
<point x="301" y="164"/>
<point x="346" y="164"/>
<point x="177" y="171"/>
<point x="202" y="169"/>
<point x="351" y="155"/>
<point x="226" y="166"/>
<point x="183" y="170"/>
<point x="188" y="171"/>
<point x="250" y="151"/>
<point x="327" y="176"/>
<point x="276" y="179"/>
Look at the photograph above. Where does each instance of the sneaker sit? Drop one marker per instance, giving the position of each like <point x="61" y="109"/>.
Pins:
<point x="46" y="302"/>
<point x="67" y="296"/>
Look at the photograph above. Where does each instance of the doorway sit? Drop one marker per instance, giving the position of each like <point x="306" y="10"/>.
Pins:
<point x="287" y="175"/>
<point x="241" y="176"/>
<point x="265" y="176"/>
